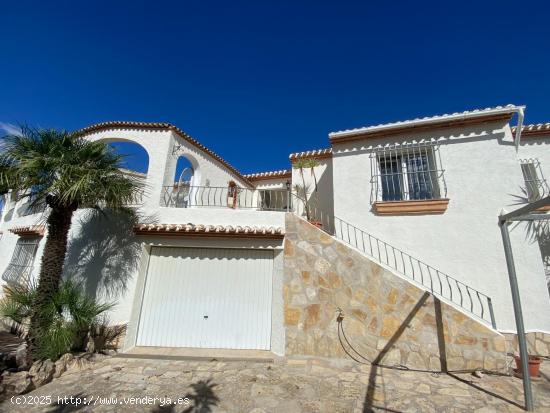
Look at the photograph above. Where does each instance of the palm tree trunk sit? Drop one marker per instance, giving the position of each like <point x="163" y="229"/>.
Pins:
<point x="314" y="177"/>
<point x="51" y="269"/>
<point x="305" y="193"/>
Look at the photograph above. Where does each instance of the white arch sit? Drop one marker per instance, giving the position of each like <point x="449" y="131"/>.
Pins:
<point x="108" y="139"/>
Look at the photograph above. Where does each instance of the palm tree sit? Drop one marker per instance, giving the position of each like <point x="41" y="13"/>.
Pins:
<point x="302" y="164"/>
<point x="66" y="172"/>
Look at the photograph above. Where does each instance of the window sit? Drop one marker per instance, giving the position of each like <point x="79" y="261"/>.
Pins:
<point x="20" y="267"/>
<point x="535" y="184"/>
<point x="407" y="173"/>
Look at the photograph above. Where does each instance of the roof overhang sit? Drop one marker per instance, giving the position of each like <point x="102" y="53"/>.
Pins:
<point x="260" y="176"/>
<point x="29" y="231"/>
<point x="415" y="125"/>
<point x="314" y="154"/>
<point x="209" y="231"/>
<point x="540" y="130"/>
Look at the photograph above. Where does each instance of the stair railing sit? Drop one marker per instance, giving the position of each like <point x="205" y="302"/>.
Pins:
<point x="437" y="282"/>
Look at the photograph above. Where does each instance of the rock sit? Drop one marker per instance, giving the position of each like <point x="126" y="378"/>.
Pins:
<point x="8" y="362"/>
<point x="17" y="383"/>
<point x="62" y="364"/>
<point x="390" y="325"/>
<point x="292" y="316"/>
<point x="299" y="299"/>
<point x="21" y="356"/>
<point x="478" y="374"/>
<point x="312" y="315"/>
<point x="42" y="372"/>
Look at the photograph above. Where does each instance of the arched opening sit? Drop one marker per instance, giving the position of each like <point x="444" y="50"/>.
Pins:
<point x="135" y="158"/>
<point x="134" y="163"/>
<point x="185" y="184"/>
<point x="185" y="172"/>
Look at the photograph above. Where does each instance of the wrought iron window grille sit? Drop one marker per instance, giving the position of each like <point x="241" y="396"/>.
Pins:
<point x="407" y="171"/>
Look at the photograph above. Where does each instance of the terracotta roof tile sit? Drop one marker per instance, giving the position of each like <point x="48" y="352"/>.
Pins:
<point x="534" y="130"/>
<point x="316" y="154"/>
<point x="284" y="173"/>
<point x="33" y="230"/>
<point x="209" y="230"/>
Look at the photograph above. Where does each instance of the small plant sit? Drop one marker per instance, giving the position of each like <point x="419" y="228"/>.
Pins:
<point x="302" y="191"/>
<point x="232" y="194"/>
<point x="70" y="314"/>
<point x="104" y="337"/>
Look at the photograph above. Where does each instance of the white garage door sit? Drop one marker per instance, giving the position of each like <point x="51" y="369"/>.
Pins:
<point x="208" y="298"/>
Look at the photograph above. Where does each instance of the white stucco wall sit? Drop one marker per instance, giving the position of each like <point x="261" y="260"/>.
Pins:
<point x="481" y="171"/>
<point x="538" y="147"/>
<point x="482" y="175"/>
<point x="159" y="145"/>
<point x="320" y="201"/>
<point x="104" y="254"/>
<point x="272" y="183"/>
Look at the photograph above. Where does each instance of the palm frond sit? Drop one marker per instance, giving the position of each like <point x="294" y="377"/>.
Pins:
<point x="64" y="170"/>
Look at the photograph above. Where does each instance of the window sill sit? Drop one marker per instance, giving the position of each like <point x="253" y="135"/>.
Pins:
<point x="420" y="207"/>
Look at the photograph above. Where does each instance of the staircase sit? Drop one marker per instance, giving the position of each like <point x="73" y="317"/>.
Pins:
<point x="425" y="276"/>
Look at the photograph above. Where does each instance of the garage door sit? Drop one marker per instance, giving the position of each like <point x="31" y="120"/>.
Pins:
<point x="208" y="298"/>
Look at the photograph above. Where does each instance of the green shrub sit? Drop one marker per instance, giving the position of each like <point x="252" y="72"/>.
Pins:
<point x="70" y="316"/>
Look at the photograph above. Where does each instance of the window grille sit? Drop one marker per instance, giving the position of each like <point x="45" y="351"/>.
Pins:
<point x="402" y="172"/>
<point x="535" y="184"/>
<point x="20" y="267"/>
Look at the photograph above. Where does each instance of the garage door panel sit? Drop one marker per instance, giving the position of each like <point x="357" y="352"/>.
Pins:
<point x="207" y="297"/>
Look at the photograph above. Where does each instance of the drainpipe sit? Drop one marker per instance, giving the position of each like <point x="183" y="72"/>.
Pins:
<point x="519" y="127"/>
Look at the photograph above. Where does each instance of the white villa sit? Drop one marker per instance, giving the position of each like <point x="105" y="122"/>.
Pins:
<point x="404" y="241"/>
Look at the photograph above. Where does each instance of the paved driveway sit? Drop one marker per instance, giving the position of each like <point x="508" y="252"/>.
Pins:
<point x="297" y="385"/>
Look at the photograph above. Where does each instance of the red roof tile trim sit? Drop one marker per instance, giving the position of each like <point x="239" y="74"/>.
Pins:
<point x="31" y="230"/>
<point x="209" y="230"/>
<point x="534" y="130"/>
<point x="315" y="154"/>
<point x="260" y="176"/>
<point x="161" y="126"/>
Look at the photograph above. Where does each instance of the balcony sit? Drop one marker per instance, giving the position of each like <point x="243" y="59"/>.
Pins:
<point x="186" y="196"/>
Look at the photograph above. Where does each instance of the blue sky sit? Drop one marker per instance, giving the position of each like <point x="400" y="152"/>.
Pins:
<point x="254" y="80"/>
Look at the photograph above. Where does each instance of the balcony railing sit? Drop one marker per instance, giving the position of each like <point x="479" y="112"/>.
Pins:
<point x="186" y="196"/>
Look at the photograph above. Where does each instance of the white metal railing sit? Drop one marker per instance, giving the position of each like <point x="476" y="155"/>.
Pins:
<point x="187" y="196"/>
<point x="435" y="281"/>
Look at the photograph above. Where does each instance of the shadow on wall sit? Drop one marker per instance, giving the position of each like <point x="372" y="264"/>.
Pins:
<point x="535" y="231"/>
<point x="323" y="199"/>
<point x="9" y="215"/>
<point x="372" y="400"/>
<point x="104" y="255"/>
<point x="543" y="236"/>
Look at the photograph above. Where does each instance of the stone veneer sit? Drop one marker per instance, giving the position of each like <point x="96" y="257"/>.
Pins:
<point x="537" y="343"/>
<point x="386" y="318"/>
